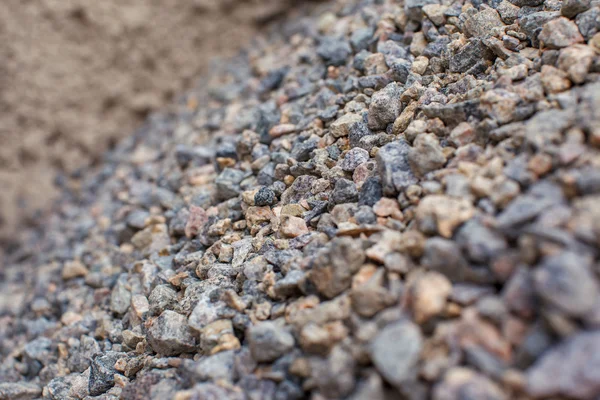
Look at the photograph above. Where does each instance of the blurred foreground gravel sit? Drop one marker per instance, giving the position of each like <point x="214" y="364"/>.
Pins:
<point x="384" y="200"/>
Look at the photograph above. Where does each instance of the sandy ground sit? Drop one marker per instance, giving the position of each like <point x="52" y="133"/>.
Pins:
<point x="78" y="75"/>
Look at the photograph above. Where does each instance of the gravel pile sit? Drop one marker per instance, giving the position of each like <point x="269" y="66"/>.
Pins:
<point x="383" y="200"/>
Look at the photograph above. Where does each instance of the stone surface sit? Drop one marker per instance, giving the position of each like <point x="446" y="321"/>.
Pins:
<point x="396" y="351"/>
<point x="385" y="106"/>
<point x="334" y="266"/>
<point x="169" y="334"/>
<point x="293" y="227"/>
<point x="560" y="33"/>
<point x="447" y="253"/>
<point x="567" y="369"/>
<point x="394" y="167"/>
<point x="268" y="341"/>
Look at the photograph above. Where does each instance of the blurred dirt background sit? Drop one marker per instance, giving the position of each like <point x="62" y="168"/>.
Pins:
<point x="78" y="75"/>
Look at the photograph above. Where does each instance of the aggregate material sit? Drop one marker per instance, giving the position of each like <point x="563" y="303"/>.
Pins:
<point x="380" y="200"/>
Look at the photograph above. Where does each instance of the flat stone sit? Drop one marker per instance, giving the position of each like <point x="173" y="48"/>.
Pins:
<point x="19" y="391"/>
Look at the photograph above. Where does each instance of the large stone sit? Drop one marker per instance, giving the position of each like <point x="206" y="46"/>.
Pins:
<point x="469" y="55"/>
<point x="531" y="24"/>
<point x="559" y="33"/>
<point x="344" y="192"/>
<point x="570" y="8"/>
<point x="426" y="155"/>
<point x="428" y="294"/>
<point x="394" y="167"/>
<point x="385" y="106"/>
<point x="334" y="375"/>
<point x="334" y="51"/>
<point x="576" y="61"/>
<point x="396" y="350"/>
<point x="444" y="256"/>
<point x="414" y="8"/>
<point x="481" y="24"/>
<point x="170" y="335"/>
<point x="567" y="282"/>
<point x="569" y="369"/>
<point x="19" y="391"/>
<point x="335" y="265"/>
<point x="102" y="373"/>
<point x="228" y="183"/>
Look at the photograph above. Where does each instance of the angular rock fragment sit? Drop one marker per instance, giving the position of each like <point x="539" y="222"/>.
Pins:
<point x="394" y="167"/>
<point x="169" y="334"/>
<point x="385" y="106"/>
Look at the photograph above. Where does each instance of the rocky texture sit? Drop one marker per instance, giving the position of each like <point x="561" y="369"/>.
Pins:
<point x="87" y="74"/>
<point x="382" y="200"/>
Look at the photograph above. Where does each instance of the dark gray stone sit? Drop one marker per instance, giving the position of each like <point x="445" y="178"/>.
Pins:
<point x="469" y="55"/>
<point x="361" y="38"/>
<point x="102" y="372"/>
<point x="370" y="192"/>
<point x="264" y="197"/>
<point x="394" y="168"/>
<point x="344" y="192"/>
<point x="228" y="183"/>
<point x="334" y="51"/>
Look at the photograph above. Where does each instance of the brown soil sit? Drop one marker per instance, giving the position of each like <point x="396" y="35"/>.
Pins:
<point x="78" y="75"/>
